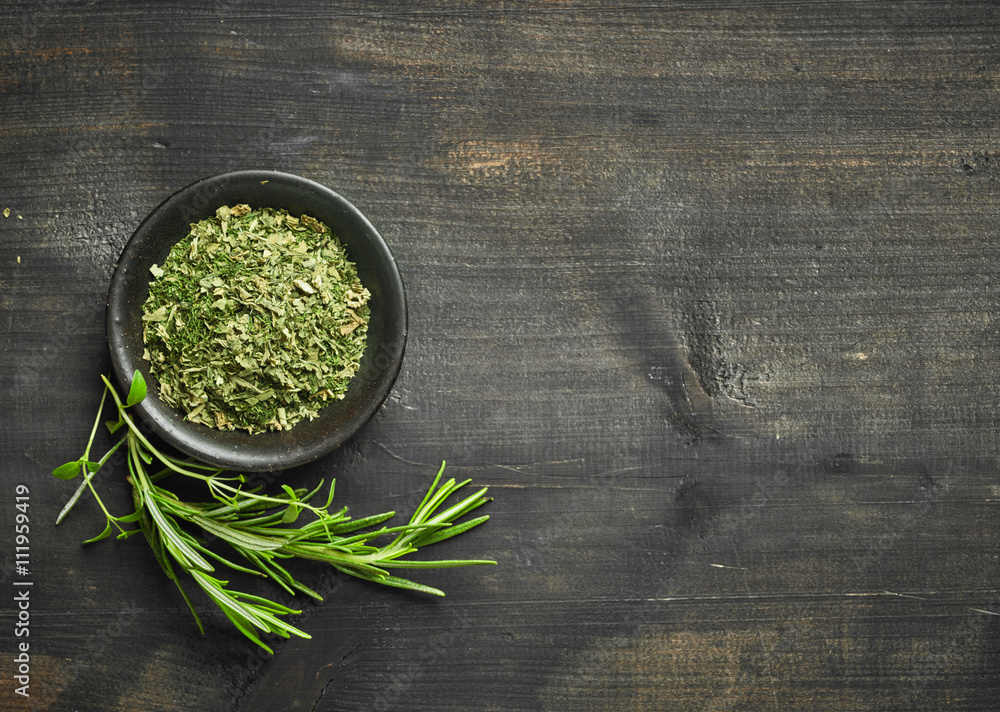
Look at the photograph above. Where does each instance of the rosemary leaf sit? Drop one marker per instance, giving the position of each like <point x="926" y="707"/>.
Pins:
<point x="260" y="528"/>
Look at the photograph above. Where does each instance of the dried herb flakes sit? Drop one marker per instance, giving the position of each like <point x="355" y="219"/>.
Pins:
<point x="255" y="320"/>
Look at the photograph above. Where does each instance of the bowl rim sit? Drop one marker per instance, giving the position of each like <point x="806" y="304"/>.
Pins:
<point x="308" y="440"/>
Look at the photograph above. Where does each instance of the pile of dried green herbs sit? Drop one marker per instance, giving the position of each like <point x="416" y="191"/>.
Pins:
<point x="250" y="531"/>
<point x="255" y="320"/>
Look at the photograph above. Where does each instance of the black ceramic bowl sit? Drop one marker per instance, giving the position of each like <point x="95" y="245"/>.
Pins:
<point x="339" y="420"/>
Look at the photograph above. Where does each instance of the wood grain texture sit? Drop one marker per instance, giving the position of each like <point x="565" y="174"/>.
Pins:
<point x="705" y="293"/>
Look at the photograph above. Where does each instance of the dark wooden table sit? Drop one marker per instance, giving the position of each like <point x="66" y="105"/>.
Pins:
<point x="705" y="294"/>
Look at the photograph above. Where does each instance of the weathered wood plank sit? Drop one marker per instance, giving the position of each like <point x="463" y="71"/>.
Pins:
<point x="704" y="293"/>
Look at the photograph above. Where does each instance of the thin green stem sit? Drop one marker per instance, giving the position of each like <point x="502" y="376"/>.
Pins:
<point x="87" y="477"/>
<point x="260" y="528"/>
<point x="97" y="421"/>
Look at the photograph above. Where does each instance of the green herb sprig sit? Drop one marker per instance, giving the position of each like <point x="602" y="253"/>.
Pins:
<point x="259" y="528"/>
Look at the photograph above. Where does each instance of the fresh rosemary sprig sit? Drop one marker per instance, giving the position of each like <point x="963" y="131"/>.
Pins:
<point x="259" y="528"/>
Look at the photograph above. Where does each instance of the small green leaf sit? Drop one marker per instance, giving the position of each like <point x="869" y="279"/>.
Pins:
<point x="92" y="466"/>
<point x="113" y="426"/>
<point x="137" y="391"/>
<point x="291" y="514"/>
<point x="102" y="535"/>
<point x="67" y="471"/>
<point x="131" y="518"/>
